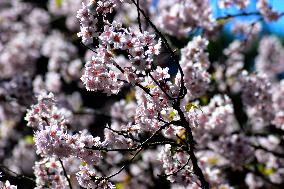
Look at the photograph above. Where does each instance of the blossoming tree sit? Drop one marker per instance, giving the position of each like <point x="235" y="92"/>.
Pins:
<point x="184" y="116"/>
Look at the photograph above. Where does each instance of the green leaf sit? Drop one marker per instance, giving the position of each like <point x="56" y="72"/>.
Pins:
<point x="130" y="96"/>
<point x="190" y="106"/>
<point x="150" y="86"/>
<point x="58" y="3"/>
<point x="204" y="100"/>
<point x="29" y="139"/>
<point x="222" y="21"/>
<point x="171" y="115"/>
<point x="213" y="160"/>
<point x="120" y="185"/>
<point x="268" y="171"/>
<point x="260" y="167"/>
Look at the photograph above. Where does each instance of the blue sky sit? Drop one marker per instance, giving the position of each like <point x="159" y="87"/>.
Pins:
<point x="273" y="27"/>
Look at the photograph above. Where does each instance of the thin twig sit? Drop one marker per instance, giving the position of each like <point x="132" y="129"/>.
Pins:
<point x="228" y="16"/>
<point x="125" y="165"/>
<point x="177" y="171"/>
<point x="139" y="19"/>
<point x="182" y="91"/>
<point x="136" y="83"/>
<point x="140" y="148"/>
<point x="17" y="175"/>
<point x="191" y="147"/>
<point x="161" y="87"/>
<point x="65" y="173"/>
<point x="87" y="47"/>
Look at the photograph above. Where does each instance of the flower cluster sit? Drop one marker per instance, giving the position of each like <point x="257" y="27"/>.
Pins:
<point x="100" y="74"/>
<point x="195" y="62"/>
<point x="88" y="20"/>
<point x="179" y="18"/>
<point x="103" y="73"/>
<point x="235" y="147"/>
<point x="229" y="3"/>
<point x="140" y="47"/>
<point x="87" y="178"/>
<point x="49" y="173"/>
<point x="7" y="185"/>
<point x="266" y="10"/>
<point x="270" y="61"/>
<point x="257" y="96"/>
<point x="216" y="115"/>
<point x="173" y="162"/>
<point x="52" y="137"/>
<point x="190" y="110"/>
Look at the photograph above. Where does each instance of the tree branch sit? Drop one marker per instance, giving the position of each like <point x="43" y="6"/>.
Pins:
<point x="16" y="174"/>
<point x="197" y="170"/>
<point x="182" y="91"/>
<point x="65" y="173"/>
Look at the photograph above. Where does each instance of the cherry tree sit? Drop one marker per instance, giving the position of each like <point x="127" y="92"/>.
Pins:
<point x="185" y="119"/>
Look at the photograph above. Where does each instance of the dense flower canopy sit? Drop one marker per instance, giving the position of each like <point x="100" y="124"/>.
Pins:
<point x="139" y="94"/>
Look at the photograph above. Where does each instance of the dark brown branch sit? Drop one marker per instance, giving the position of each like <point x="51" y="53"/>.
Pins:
<point x="177" y="171"/>
<point x="136" y="83"/>
<point x="65" y="173"/>
<point x="161" y="87"/>
<point x="125" y="165"/>
<point x="87" y="47"/>
<point x="99" y="148"/>
<point x="182" y="91"/>
<point x="4" y="168"/>
<point x="139" y="18"/>
<point x="123" y="133"/>
<point x="228" y="16"/>
<point x="190" y="140"/>
<point x="139" y="148"/>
